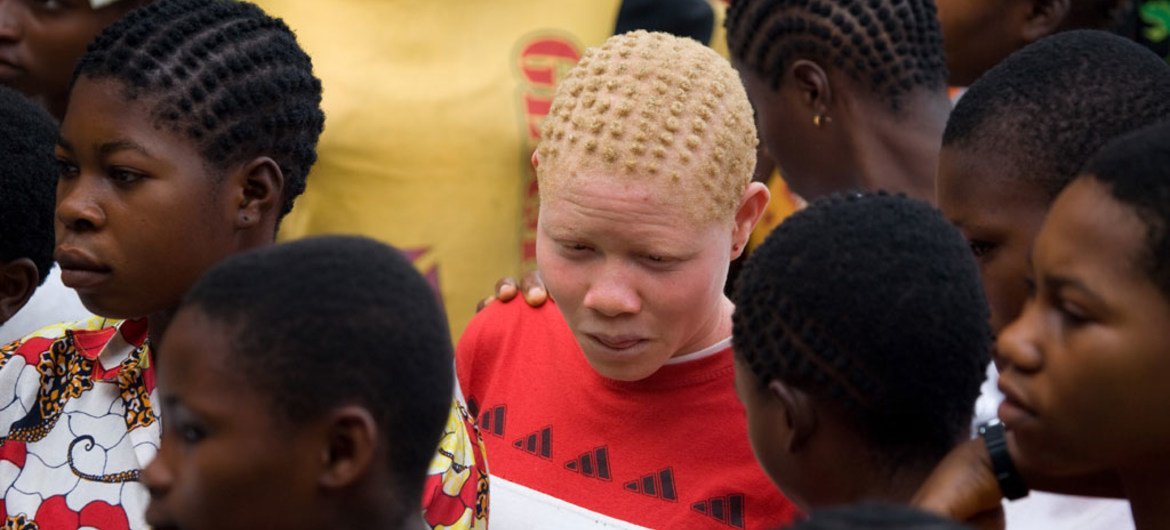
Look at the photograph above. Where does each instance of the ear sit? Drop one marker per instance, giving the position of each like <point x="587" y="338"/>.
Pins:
<point x="18" y="281"/>
<point x="751" y="209"/>
<point x="352" y="448"/>
<point x="259" y="191"/>
<point x="799" y="412"/>
<point x="1044" y="19"/>
<point x="812" y="82"/>
<point x="535" y="160"/>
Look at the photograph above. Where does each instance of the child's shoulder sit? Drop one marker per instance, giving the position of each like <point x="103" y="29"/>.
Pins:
<point x="513" y="320"/>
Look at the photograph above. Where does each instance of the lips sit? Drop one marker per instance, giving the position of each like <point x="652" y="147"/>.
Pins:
<point x="1014" y="409"/>
<point x="618" y="342"/>
<point x="79" y="269"/>
<point x="9" y="69"/>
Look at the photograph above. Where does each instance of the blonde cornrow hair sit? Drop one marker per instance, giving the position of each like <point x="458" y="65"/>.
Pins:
<point x="653" y="106"/>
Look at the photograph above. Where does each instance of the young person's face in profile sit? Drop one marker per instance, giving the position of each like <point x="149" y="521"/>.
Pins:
<point x="1087" y="361"/>
<point x="637" y="277"/>
<point x="140" y="216"/>
<point x="227" y="459"/>
<point x="42" y="40"/>
<point x="978" y="34"/>
<point x="983" y="195"/>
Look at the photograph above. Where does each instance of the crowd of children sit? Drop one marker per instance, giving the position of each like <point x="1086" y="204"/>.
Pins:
<point x="152" y="149"/>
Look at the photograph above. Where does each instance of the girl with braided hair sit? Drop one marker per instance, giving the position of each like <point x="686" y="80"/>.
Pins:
<point x="848" y="94"/>
<point x="189" y="132"/>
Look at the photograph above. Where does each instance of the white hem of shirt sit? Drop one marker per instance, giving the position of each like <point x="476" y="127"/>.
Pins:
<point x="517" y="507"/>
<point x="703" y="353"/>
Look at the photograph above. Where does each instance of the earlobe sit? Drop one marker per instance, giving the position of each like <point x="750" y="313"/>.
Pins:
<point x="19" y="279"/>
<point x="751" y="209"/>
<point x="800" y="414"/>
<point x="351" y="449"/>
<point x="1046" y="18"/>
<point x="261" y="191"/>
<point x="535" y="160"/>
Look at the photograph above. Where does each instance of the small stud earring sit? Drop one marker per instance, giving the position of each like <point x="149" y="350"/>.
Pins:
<point x="820" y="119"/>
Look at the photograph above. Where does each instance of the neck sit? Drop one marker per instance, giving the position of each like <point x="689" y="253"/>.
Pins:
<point x="900" y="154"/>
<point x="859" y="480"/>
<point x="844" y="469"/>
<point x="156" y="324"/>
<point x="1148" y="489"/>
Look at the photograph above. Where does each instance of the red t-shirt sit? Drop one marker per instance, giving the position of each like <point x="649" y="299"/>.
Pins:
<point x="669" y="451"/>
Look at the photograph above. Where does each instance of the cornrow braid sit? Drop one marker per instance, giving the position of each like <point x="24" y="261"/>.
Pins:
<point x="873" y="304"/>
<point x="890" y="46"/>
<point x="225" y="74"/>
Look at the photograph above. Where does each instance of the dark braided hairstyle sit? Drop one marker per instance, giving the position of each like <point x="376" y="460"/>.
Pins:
<point x="225" y="74"/>
<point x="1136" y="169"/>
<point x="873" y="304"/>
<point x="327" y="322"/>
<point x="28" y="181"/>
<point x="890" y="46"/>
<point x="1051" y="105"/>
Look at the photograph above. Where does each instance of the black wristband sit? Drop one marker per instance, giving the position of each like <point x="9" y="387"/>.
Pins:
<point x="1009" y="479"/>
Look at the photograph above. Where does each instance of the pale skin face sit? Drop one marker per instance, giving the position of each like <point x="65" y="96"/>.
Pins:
<point x="1087" y="361"/>
<point x="638" y="279"/>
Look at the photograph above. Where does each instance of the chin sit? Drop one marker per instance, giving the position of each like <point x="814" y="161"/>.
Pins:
<point x="627" y="372"/>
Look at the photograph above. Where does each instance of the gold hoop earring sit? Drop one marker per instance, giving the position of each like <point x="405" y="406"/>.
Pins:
<point x="819" y="120"/>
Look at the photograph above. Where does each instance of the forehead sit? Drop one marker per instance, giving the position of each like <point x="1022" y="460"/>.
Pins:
<point x="984" y="180"/>
<point x="1089" y="232"/>
<point x="598" y="196"/>
<point x="197" y="363"/>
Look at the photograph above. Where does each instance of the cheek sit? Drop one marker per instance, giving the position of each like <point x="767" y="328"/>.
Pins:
<point x="563" y="279"/>
<point x="1005" y="288"/>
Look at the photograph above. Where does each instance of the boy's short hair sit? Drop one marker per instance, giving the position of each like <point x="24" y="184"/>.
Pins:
<point x="326" y="322"/>
<point x="1054" y="103"/>
<point x="871" y="302"/>
<point x="225" y="74"/>
<point x="651" y="106"/>
<point x="891" y="47"/>
<point x="1136" y="169"/>
<point x="875" y="516"/>
<point x="28" y="181"/>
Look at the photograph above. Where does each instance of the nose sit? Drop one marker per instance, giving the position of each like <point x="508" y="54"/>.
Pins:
<point x="157" y="476"/>
<point x="613" y="293"/>
<point x="12" y="15"/>
<point x="78" y="209"/>
<point x="1019" y="344"/>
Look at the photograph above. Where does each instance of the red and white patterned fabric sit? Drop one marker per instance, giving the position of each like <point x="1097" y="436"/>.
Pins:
<point x="78" y="424"/>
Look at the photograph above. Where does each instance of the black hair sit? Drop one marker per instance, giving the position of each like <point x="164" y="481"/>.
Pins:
<point x="326" y="322"/>
<point x="875" y="516"/>
<point x="1106" y="15"/>
<point x="28" y="181"/>
<point x="225" y="74"/>
<point x="892" y="46"/>
<point x="871" y="303"/>
<point x="1051" y="105"/>
<point x="1136" y="169"/>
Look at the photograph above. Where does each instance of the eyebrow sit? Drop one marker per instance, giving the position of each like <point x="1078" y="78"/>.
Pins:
<point x="107" y="148"/>
<point x="1057" y="282"/>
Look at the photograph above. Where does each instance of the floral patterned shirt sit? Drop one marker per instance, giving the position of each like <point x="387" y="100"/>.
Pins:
<point x="78" y="423"/>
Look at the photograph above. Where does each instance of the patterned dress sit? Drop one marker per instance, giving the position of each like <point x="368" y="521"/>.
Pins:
<point x="78" y="423"/>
